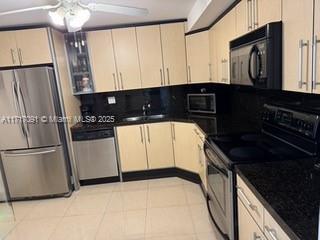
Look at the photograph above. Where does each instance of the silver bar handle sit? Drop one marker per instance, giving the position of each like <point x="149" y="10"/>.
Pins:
<point x="249" y="14"/>
<point x="17" y="107"/>
<point x="121" y="80"/>
<point x="141" y="134"/>
<point x="253" y="207"/>
<point x="189" y="73"/>
<point x="20" y="55"/>
<point x="315" y="62"/>
<point x="271" y="232"/>
<point x="173" y="132"/>
<point x="12" y="56"/>
<point x="168" y="75"/>
<point x="210" y="72"/>
<point x="302" y="44"/>
<point x="114" y="81"/>
<point x="8" y="154"/>
<point x="199" y="148"/>
<point x="148" y="132"/>
<point x="255" y="13"/>
<point x="21" y="99"/>
<point x="161" y="77"/>
<point x="256" y="236"/>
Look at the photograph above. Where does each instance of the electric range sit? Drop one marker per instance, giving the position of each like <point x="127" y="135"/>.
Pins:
<point x="286" y="134"/>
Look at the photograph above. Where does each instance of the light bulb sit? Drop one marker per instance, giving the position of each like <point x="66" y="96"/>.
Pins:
<point x="57" y="17"/>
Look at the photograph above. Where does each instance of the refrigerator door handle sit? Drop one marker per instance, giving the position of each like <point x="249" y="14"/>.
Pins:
<point x="17" y="154"/>
<point x="23" y="107"/>
<point x="17" y="106"/>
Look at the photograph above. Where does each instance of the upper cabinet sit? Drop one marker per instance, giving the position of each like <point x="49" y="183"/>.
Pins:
<point x="102" y="60"/>
<point x="198" y="58"/>
<point x="252" y="14"/>
<point x="24" y="47"/>
<point x="174" y="53"/>
<point x="316" y="55"/>
<point x="150" y="54"/>
<point x="297" y="47"/>
<point x="127" y="58"/>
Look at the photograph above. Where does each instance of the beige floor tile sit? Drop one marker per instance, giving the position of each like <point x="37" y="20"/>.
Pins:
<point x="200" y="218"/>
<point x="169" y="221"/>
<point x="99" y="188"/>
<point x="34" y="229"/>
<point x="56" y="207"/>
<point x="6" y="213"/>
<point x="23" y="209"/>
<point x="194" y="194"/>
<point x="6" y="227"/>
<point x="122" y="225"/>
<point x="166" y="196"/>
<point x="89" y="204"/>
<point x="130" y="186"/>
<point x="186" y="237"/>
<point x="77" y="228"/>
<point x="207" y="236"/>
<point x="165" y="182"/>
<point x="128" y="200"/>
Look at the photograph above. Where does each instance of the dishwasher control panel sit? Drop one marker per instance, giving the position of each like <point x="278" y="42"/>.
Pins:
<point x="92" y="134"/>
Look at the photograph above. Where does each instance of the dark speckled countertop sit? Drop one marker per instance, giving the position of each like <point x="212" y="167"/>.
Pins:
<point x="290" y="191"/>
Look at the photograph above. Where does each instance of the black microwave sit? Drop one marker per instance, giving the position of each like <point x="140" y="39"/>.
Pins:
<point x="202" y="103"/>
<point x="256" y="58"/>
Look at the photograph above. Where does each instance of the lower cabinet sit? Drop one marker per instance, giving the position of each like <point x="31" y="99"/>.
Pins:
<point x="132" y="148"/>
<point x="248" y="229"/>
<point x="202" y="166"/>
<point x="145" y="146"/>
<point x="185" y="146"/>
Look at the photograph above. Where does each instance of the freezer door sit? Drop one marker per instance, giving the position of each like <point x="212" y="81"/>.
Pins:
<point x="13" y="134"/>
<point x="35" y="172"/>
<point x="35" y="93"/>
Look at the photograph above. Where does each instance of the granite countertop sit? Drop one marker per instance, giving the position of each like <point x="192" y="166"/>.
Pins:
<point x="210" y="125"/>
<point x="290" y="191"/>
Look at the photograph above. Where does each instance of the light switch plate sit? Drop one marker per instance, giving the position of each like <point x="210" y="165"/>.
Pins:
<point x="112" y="100"/>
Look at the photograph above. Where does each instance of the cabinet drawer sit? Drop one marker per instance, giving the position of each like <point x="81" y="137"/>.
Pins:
<point x="271" y="228"/>
<point x="253" y="205"/>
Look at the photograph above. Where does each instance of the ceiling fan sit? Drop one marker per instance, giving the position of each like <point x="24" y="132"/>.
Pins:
<point x="74" y="14"/>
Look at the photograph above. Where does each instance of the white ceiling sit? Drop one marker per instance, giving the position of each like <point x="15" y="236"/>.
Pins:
<point x="158" y="10"/>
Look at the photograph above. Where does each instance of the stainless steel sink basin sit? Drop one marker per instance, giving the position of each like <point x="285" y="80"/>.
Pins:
<point x="139" y="118"/>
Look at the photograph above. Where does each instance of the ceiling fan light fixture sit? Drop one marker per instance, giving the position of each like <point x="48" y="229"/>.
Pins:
<point x="57" y="16"/>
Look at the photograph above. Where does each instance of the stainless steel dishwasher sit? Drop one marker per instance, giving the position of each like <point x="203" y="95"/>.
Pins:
<point x="96" y="157"/>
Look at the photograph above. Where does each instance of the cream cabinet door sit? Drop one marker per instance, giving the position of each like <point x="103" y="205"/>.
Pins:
<point x="159" y="145"/>
<point x="316" y="42"/>
<point x="8" y="49"/>
<point x="297" y="39"/>
<point x="266" y="11"/>
<point x="150" y="55"/>
<point x="132" y="148"/>
<point x="127" y="58"/>
<point x="243" y="24"/>
<point x="248" y="229"/>
<point x="198" y="57"/>
<point x="33" y="46"/>
<point x="201" y="156"/>
<point x="185" y="146"/>
<point x="102" y="60"/>
<point x="174" y="53"/>
<point x="213" y="48"/>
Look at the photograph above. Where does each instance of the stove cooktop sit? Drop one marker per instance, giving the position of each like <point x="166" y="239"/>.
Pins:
<point x="254" y="147"/>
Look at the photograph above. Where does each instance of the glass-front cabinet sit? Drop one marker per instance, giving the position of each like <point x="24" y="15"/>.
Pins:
<point x="81" y="77"/>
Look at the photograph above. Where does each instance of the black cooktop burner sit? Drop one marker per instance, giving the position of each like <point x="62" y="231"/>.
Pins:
<point x="250" y="137"/>
<point x="246" y="153"/>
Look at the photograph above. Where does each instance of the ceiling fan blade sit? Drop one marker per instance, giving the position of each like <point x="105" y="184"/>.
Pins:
<point x="44" y="7"/>
<point x="124" y="10"/>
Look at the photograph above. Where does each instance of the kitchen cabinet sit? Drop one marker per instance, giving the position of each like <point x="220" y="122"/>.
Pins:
<point x="24" y="47"/>
<point x="174" y="53"/>
<point x="315" y="44"/>
<point x="185" y="145"/>
<point x="297" y="50"/>
<point x="252" y="14"/>
<point x="8" y="49"/>
<point x="127" y="58"/>
<point x="150" y="54"/>
<point x="198" y="58"/>
<point x="200" y="138"/>
<point x="225" y="31"/>
<point x="271" y="228"/>
<point x="248" y="229"/>
<point x="132" y="148"/>
<point x="102" y="60"/>
<point x="159" y="145"/>
<point x="213" y="51"/>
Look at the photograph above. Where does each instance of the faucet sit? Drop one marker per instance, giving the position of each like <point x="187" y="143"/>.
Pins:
<point x="145" y="108"/>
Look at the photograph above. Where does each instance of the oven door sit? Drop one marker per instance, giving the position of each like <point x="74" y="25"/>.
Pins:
<point x="219" y="198"/>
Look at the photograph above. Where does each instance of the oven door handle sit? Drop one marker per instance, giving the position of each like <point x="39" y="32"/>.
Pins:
<point x="224" y="236"/>
<point x="211" y="164"/>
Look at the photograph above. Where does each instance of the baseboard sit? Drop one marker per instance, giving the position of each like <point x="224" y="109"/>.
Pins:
<point x="99" y="181"/>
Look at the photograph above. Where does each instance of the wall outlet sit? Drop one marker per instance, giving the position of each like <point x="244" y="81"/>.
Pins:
<point x="112" y="100"/>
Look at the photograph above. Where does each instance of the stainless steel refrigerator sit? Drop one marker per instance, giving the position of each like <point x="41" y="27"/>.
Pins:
<point x="32" y="154"/>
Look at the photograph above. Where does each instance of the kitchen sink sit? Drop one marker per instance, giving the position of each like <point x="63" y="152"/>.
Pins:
<point x="140" y="118"/>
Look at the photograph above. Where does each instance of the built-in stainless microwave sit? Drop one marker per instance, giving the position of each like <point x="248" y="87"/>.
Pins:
<point x="202" y="103"/>
<point x="256" y="58"/>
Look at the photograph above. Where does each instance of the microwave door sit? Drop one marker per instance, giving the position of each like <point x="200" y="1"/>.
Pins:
<point x="11" y="125"/>
<point x="35" y="95"/>
<point x="235" y="69"/>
